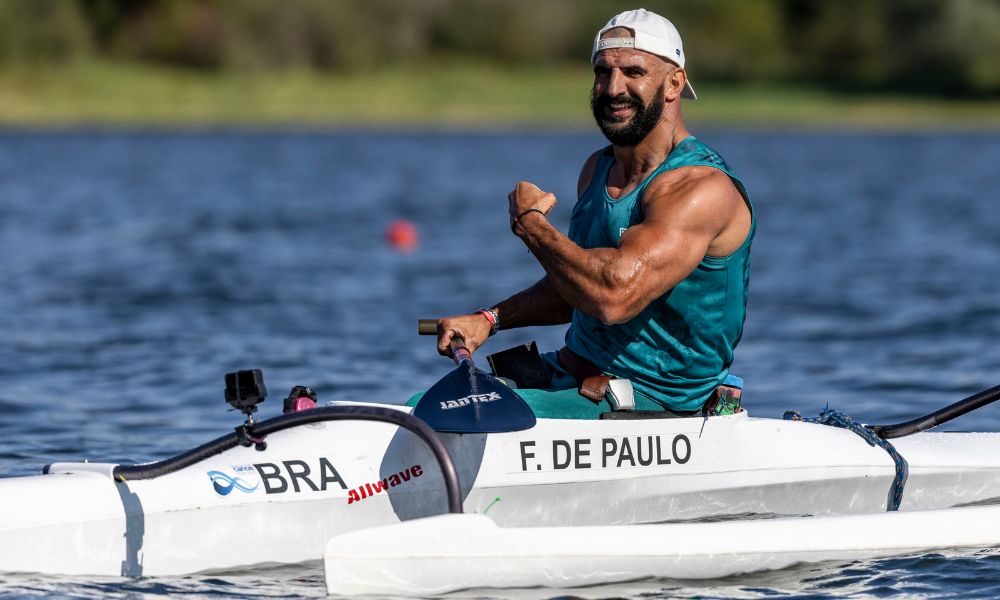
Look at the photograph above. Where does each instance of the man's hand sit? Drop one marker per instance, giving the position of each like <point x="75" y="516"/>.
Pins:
<point x="528" y="196"/>
<point x="472" y="329"/>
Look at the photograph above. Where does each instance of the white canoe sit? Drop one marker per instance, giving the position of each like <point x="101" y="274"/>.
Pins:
<point x="281" y="505"/>
<point x="447" y="553"/>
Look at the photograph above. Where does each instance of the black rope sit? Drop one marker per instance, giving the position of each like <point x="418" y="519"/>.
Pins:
<point x="838" y="419"/>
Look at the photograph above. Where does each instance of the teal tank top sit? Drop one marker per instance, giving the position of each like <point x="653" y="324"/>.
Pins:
<point x="679" y="348"/>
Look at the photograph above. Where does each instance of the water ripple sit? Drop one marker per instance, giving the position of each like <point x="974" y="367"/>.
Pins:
<point x="138" y="268"/>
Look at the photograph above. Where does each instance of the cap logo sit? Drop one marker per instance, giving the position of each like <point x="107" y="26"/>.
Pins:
<point x="678" y="51"/>
<point x="615" y="43"/>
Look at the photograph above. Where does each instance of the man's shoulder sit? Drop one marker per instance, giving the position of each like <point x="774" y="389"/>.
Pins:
<point x="699" y="198"/>
<point x="690" y="181"/>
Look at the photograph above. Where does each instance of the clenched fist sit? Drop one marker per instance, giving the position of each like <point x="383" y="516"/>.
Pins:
<point x="527" y="196"/>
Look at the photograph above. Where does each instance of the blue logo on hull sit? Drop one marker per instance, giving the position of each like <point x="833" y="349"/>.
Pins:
<point x="224" y="484"/>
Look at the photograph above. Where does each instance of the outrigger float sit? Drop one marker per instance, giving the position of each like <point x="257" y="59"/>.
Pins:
<point x="545" y="500"/>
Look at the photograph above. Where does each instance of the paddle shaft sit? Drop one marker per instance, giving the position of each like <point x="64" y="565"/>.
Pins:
<point x="938" y="417"/>
<point x="459" y="353"/>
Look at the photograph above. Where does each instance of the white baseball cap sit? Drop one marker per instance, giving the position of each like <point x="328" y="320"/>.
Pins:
<point x="651" y="33"/>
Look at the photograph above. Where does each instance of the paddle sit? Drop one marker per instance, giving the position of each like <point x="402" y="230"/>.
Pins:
<point x="468" y="400"/>
<point x="938" y="417"/>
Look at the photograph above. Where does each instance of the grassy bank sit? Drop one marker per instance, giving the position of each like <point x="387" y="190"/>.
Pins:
<point x="451" y="95"/>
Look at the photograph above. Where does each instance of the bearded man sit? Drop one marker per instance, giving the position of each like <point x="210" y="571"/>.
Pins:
<point x="653" y="274"/>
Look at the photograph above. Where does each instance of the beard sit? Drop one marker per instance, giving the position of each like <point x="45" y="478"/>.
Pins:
<point x="621" y="132"/>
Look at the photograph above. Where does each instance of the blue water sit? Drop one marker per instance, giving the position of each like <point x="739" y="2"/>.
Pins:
<point x="138" y="268"/>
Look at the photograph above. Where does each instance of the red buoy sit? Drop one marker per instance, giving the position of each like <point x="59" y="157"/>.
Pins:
<point x="402" y="235"/>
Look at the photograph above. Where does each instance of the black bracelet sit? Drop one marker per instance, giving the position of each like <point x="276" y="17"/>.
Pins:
<point x="514" y="221"/>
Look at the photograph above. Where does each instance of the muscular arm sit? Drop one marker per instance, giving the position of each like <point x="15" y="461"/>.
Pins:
<point x="539" y="304"/>
<point x="688" y="213"/>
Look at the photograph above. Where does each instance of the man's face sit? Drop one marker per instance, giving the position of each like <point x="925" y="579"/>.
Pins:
<point x="628" y="95"/>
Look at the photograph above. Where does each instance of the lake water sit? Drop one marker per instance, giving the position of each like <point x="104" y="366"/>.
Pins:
<point x="140" y="267"/>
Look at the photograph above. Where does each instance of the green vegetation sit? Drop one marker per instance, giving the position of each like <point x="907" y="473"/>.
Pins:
<point x="449" y="94"/>
<point x="485" y="63"/>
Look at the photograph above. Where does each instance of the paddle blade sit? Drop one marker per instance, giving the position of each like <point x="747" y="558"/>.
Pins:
<point x="468" y="400"/>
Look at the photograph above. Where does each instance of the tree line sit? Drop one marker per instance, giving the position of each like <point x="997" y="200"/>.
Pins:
<point x="915" y="46"/>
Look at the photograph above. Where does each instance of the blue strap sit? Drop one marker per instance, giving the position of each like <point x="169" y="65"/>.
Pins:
<point x="839" y="419"/>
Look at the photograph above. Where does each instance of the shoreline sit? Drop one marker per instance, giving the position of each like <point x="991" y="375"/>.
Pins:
<point x="488" y="129"/>
<point x="458" y="96"/>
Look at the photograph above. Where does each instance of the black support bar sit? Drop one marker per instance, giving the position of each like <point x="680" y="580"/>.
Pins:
<point x="316" y="415"/>
<point x="936" y="418"/>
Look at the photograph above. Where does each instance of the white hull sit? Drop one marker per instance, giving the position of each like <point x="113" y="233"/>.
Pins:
<point x="78" y="520"/>
<point x="457" y="552"/>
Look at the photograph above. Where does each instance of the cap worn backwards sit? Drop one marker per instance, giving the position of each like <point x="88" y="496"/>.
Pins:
<point x="651" y="33"/>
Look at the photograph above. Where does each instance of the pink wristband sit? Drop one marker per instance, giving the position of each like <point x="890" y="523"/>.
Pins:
<point x="491" y="316"/>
